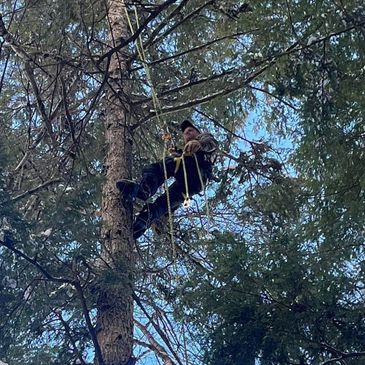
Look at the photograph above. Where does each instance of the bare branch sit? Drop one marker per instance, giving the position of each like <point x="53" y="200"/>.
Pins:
<point x="29" y="71"/>
<point x="210" y="97"/>
<point x="67" y="328"/>
<point x="274" y="96"/>
<point x="154" y="345"/>
<point x="35" y="190"/>
<point x="157" y="328"/>
<point x="220" y="125"/>
<point x="40" y="104"/>
<point x="189" y="84"/>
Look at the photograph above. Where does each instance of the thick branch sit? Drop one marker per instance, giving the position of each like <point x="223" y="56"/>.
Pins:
<point x="272" y="60"/>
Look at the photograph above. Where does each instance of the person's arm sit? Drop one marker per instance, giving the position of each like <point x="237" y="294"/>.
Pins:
<point x="207" y="142"/>
<point x="204" y="142"/>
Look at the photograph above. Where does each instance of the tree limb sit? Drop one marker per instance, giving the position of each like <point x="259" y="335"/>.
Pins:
<point x="29" y="71"/>
<point x="194" y="49"/>
<point x="157" y="328"/>
<point x="35" y="190"/>
<point x="154" y="345"/>
<point x="89" y="324"/>
<point x="189" y="84"/>
<point x="67" y="328"/>
<point x="274" y="96"/>
<point x="207" y="98"/>
<point x="34" y="262"/>
<point x="40" y="103"/>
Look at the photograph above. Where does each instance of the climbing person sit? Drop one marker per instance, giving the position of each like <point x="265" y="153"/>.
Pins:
<point x="191" y="167"/>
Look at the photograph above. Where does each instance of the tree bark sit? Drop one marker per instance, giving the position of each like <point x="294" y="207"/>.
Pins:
<point x="114" y="303"/>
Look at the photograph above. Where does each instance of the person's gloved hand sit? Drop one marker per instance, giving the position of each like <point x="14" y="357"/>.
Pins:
<point x="191" y="147"/>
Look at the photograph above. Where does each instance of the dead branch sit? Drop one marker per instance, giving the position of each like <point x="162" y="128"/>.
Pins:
<point x="90" y="327"/>
<point x="157" y="328"/>
<point x="274" y="96"/>
<point x="35" y="190"/>
<point x="154" y="345"/>
<point x="188" y="85"/>
<point x="40" y="103"/>
<point x="29" y="71"/>
<point x="210" y="97"/>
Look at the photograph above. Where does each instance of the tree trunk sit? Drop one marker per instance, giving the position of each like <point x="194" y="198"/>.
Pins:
<point x="115" y="303"/>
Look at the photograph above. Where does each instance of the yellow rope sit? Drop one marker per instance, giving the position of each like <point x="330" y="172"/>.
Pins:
<point x="166" y="136"/>
<point x="157" y="106"/>
<point x="186" y="203"/>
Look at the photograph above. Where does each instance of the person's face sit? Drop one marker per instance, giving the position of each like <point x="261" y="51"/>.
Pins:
<point x="189" y="134"/>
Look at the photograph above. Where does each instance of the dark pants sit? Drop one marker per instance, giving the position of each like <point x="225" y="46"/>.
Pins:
<point x="154" y="176"/>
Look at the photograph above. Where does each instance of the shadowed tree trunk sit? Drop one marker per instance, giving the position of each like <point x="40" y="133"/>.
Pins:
<point x="115" y="303"/>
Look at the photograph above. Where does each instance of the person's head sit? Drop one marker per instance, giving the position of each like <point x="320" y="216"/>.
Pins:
<point x="189" y="131"/>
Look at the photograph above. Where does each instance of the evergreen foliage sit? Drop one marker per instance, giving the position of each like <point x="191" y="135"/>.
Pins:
<point x="275" y="274"/>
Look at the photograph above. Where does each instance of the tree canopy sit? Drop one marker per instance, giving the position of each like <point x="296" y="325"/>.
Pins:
<point x="266" y="268"/>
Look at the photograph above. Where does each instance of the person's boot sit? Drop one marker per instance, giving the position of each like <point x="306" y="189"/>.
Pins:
<point x="132" y="190"/>
<point x="128" y="188"/>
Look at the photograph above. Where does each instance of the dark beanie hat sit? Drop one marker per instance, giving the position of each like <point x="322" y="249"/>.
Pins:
<point x="186" y="124"/>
